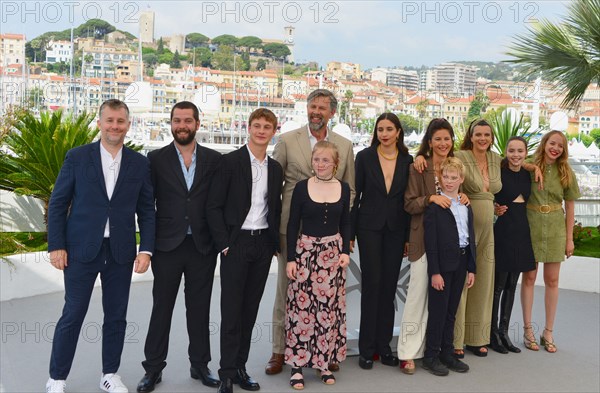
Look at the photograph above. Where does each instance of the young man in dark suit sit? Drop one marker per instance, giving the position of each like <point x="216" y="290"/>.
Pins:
<point x="91" y="230"/>
<point x="244" y="210"/>
<point x="181" y="175"/>
<point x="450" y="248"/>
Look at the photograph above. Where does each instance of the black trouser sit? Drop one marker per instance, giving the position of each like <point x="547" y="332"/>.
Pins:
<point x="442" y="306"/>
<point x="505" y="286"/>
<point x="380" y="261"/>
<point x="244" y="272"/>
<point x="198" y="271"/>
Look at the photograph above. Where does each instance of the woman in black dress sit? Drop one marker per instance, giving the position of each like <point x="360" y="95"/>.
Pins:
<point x="513" y="250"/>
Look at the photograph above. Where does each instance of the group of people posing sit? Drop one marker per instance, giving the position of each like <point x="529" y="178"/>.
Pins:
<point x="308" y="205"/>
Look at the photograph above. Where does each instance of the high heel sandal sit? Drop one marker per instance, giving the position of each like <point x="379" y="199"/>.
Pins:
<point x="328" y="379"/>
<point x="297" y="383"/>
<point x="549" y="346"/>
<point x="530" y="342"/>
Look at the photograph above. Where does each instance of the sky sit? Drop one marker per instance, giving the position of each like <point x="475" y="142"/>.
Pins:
<point x="371" y="33"/>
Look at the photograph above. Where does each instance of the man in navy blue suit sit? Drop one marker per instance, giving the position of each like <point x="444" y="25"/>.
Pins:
<point x="91" y="230"/>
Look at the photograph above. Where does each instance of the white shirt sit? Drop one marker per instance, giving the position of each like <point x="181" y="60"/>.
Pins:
<point x="257" y="216"/>
<point x="461" y="215"/>
<point x="110" y="170"/>
<point x="311" y="138"/>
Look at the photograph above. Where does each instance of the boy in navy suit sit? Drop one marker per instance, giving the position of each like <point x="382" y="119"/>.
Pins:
<point x="450" y="248"/>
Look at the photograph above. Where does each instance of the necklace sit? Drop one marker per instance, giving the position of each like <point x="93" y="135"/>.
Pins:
<point x="323" y="178"/>
<point x="387" y="157"/>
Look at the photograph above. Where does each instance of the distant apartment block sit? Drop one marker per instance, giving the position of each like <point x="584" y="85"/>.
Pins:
<point x="396" y="77"/>
<point x="12" y="49"/>
<point x="146" y="22"/>
<point x="455" y="78"/>
<point x="59" y="51"/>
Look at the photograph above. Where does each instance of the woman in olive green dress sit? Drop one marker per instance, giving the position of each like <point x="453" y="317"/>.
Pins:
<point x="551" y="231"/>
<point x="482" y="181"/>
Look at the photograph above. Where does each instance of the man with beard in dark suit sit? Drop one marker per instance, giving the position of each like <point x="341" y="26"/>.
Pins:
<point x="181" y="176"/>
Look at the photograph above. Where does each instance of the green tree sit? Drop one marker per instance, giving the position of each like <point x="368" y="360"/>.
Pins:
<point x="244" y="64"/>
<point x="587" y="140"/>
<point x="150" y="59"/>
<point x="195" y="40"/>
<point x="176" y="61"/>
<point x="261" y="64"/>
<point x="275" y="50"/>
<point x="160" y="47"/>
<point x="98" y="27"/>
<point x="478" y="105"/>
<point x="566" y="53"/>
<point x="201" y="56"/>
<point x="250" y="42"/>
<point x="38" y="148"/>
<point x="225" y="39"/>
<point x="595" y="134"/>
<point x="345" y="106"/>
<point x="165" y="58"/>
<point x="409" y="123"/>
<point x="222" y="59"/>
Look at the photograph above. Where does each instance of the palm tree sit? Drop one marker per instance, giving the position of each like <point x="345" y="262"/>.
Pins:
<point x="505" y="126"/>
<point x="36" y="150"/>
<point x="567" y="53"/>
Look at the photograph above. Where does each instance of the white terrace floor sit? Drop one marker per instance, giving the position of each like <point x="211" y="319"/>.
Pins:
<point x="28" y="325"/>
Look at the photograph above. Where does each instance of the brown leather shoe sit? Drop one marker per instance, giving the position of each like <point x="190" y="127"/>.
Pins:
<point x="275" y="364"/>
<point x="334" y="367"/>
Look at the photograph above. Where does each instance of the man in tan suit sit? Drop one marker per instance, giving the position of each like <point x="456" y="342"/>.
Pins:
<point x="293" y="151"/>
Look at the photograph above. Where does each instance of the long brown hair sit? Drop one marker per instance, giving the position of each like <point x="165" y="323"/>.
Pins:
<point x="434" y="126"/>
<point x="396" y="122"/>
<point x="562" y="163"/>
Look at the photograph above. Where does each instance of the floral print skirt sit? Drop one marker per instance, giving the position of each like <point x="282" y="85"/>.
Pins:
<point x="315" y="323"/>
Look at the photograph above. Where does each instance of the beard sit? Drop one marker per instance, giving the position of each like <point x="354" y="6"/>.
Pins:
<point x="184" y="139"/>
<point x="316" y="126"/>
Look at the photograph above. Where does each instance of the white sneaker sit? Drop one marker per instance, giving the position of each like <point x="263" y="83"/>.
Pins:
<point x="55" y="385"/>
<point x="112" y="383"/>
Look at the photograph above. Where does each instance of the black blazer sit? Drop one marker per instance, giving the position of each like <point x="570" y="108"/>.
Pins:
<point x="441" y="240"/>
<point x="176" y="207"/>
<point x="230" y="198"/>
<point x="373" y="208"/>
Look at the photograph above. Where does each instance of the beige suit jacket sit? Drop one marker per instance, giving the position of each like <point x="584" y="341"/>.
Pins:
<point x="293" y="152"/>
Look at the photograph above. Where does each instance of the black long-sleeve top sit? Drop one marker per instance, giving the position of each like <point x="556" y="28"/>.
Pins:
<point x="318" y="219"/>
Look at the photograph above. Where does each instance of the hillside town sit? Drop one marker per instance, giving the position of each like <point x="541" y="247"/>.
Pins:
<point x="107" y="65"/>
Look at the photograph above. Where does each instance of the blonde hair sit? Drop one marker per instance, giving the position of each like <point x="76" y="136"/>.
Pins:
<point x="323" y="145"/>
<point x="452" y="163"/>
<point x="562" y="163"/>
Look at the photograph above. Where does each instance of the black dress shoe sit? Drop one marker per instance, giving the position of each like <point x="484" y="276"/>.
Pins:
<point x="225" y="386"/>
<point x="434" y="366"/>
<point x="390" y="360"/>
<point x="204" y="375"/>
<point x="245" y="381"/>
<point x="454" y="364"/>
<point x="149" y="381"/>
<point x="364" y="363"/>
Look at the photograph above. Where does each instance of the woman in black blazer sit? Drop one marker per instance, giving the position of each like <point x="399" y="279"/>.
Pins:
<point x="381" y="225"/>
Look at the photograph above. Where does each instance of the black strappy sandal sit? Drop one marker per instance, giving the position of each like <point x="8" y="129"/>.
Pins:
<point x="297" y="383"/>
<point x="326" y="378"/>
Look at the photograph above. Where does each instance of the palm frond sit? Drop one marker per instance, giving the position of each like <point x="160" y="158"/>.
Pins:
<point x="567" y="53"/>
